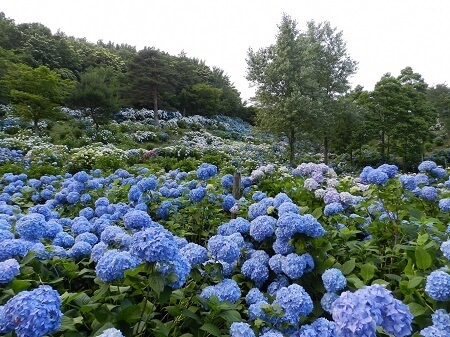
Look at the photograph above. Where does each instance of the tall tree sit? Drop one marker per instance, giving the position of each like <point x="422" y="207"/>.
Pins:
<point x="332" y="68"/>
<point x="96" y="95"/>
<point x="150" y="75"/>
<point x="439" y="96"/>
<point x="35" y="93"/>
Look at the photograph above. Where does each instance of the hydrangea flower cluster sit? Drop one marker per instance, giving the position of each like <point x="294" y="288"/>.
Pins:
<point x="227" y="290"/>
<point x="440" y="327"/>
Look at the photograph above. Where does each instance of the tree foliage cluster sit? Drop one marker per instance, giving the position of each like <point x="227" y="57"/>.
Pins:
<point x="303" y="91"/>
<point x="103" y="77"/>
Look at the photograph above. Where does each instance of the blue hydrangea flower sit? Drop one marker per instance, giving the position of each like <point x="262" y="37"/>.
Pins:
<point x="282" y="247"/>
<point x="179" y="266"/>
<point x="63" y="239"/>
<point x="333" y="280"/>
<point x="256" y="270"/>
<point x="427" y="165"/>
<point x="258" y="196"/>
<point x="194" y="253"/>
<point x="365" y="172"/>
<point x="259" y="208"/>
<point x="81" y="176"/>
<point x="103" y="201"/>
<point x="293" y="266"/>
<point x="279" y="282"/>
<point x="377" y="177"/>
<point x="288" y="207"/>
<point x="254" y="295"/>
<point x="90" y="238"/>
<point x="111" y="332"/>
<point x="197" y="194"/>
<point x="85" y="198"/>
<point x="31" y="226"/>
<point x="147" y="184"/>
<point x="327" y="301"/>
<point x="295" y="302"/>
<point x="227" y="290"/>
<point x="228" y="202"/>
<point x="32" y="313"/>
<point x="408" y="182"/>
<point x="438" y="173"/>
<point x="227" y="181"/>
<point x="438" y="285"/>
<point x="98" y="250"/>
<point x="280" y="198"/>
<point x="223" y="248"/>
<point x="256" y="311"/>
<point x="80" y="225"/>
<point x="41" y="209"/>
<point x="87" y="212"/>
<point x="6" y="235"/>
<point x="440" y="327"/>
<point x="239" y="329"/>
<point x="390" y="170"/>
<point x="238" y="225"/>
<point x="137" y="219"/>
<point x="13" y="248"/>
<point x="112" y="264"/>
<point x="8" y="270"/>
<point x="275" y="263"/>
<point x="154" y="244"/>
<point x="428" y="193"/>
<point x="206" y="171"/>
<point x="262" y="227"/>
<point x="333" y="208"/>
<point x="310" y="226"/>
<point x="73" y="197"/>
<point x="444" y="205"/>
<point x="162" y="212"/>
<point x="79" y="249"/>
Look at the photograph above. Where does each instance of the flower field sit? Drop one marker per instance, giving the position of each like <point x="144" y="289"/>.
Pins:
<point x="104" y="241"/>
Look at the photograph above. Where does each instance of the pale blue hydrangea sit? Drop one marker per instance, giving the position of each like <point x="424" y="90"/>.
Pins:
<point x="295" y="302"/>
<point x="79" y="249"/>
<point x="238" y="225"/>
<point x="31" y="226"/>
<point x="223" y="248"/>
<point x="98" y="250"/>
<point x="428" y="193"/>
<point x="254" y="295"/>
<point x="227" y="290"/>
<point x="80" y="225"/>
<point x="327" y="301"/>
<point x="197" y="194"/>
<point x="421" y="179"/>
<point x="445" y="249"/>
<point x="194" y="253"/>
<point x="438" y="285"/>
<point x="63" y="239"/>
<point x="154" y="244"/>
<point x="440" y="327"/>
<point x="333" y="208"/>
<point x="111" y="332"/>
<point x="427" y="165"/>
<point x="333" y="280"/>
<point x="293" y="266"/>
<point x="258" y="196"/>
<point x="275" y="263"/>
<point x="147" y="184"/>
<point x="112" y="265"/>
<point x="259" y="208"/>
<point x="6" y="235"/>
<point x="179" y="266"/>
<point x="256" y="270"/>
<point x="288" y="207"/>
<point x="136" y="219"/>
<point x="239" y="329"/>
<point x="8" y="270"/>
<point x="444" y="205"/>
<point x="321" y="327"/>
<point x="90" y="238"/>
<point x="377" y="177"/>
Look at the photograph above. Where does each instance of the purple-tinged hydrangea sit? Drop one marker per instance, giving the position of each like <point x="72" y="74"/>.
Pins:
<point x="310" y="184"/>
<point x="427" y="165"/>
<point x="85" y="198"/>
<point x="333" y="280"/>
<point x="440" y="327"/>
<point x="444" y="205"/>
<point x="262" y="227"/>
<point x="331" y="195"/>
<point x="194" y="253"/>
<point x="112" y="264"/>
<point x="240" y="329"/>
<point x="154" y="244"/>
<point x="428" y="193"/>
<point x="32" y="313"/>
<point x="438" y="285"/>
<point x="333" y="208"/>
<point x="8" y="270"/>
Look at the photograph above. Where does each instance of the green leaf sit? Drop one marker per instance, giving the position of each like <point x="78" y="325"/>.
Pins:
<point x="415" y="282"/>
<point x="82" y="299"/>
<point x="107" y="325"/>
<point x="423" y="259"/>
<point x="356" y="281"/>
<point x="173" y="310"/>
<point x="68" y="323"/>
<point x="367" y="271"/>
<point x="348" y="267"/>
<point x="317" y="213"/>
<point x="416" y="309"/>
<point x="212" y="329"/>
<point x="156" y="282"/>
<point x="19" y="285"/>
<point x="231" y="316"/>
<point x="415" y="213"/>
<point x="422" y="239"/>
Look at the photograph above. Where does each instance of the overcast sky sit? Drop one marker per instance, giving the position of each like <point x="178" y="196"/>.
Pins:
<point x="382" y="35"/>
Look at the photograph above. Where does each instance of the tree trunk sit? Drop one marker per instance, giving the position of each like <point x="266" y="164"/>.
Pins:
<point x="325" y="149"/>
<point x="155" y="107"/>
<point x="36" y="127"/>
<point x="291" y="148"/>
<point x="184" y="111"/>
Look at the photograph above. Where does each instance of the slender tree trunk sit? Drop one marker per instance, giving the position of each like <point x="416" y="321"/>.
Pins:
<point x="291" y="148"/>
<point x="325" y="149"/>
<point x="36" y="127"/>
<point x="155" y="107"/>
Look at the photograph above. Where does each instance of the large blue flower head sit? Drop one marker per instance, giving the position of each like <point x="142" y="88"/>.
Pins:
<point x="80" y="225"/>
<point x="256" y="270"/>
<point x="31" y="226"/>
<point x="227" y="181"/>
<point x="103" y="201"/>
<point x="331" y="195"/>
<point x="259" y="208"/>
<point x="254" y="295"/>
<point x="8" y="270"/>
<point x="444" y="205"/>
<point x="147" y="184"/>
<point x="408" y="182"/>
<point x="180" y="267"/>
<point x="197" y="194"/>
<point x="63" y="239"/>
<point x="365" y="172"/>
<point x="293" y="266"/>
<point x="262" y="227"/>
<point x="154" y="244"/>
<point x="226" y="291"/>
<point x="390" y="170"/>
<point x="206" y="171"/>
<point x="112" y="264"/>
<point x="438" y="173"/>
<point x="87" y="212"/>
<point x="90" y="238"/>
<point x="53" y="228"/>
<point x="98" y="250"/>
<point x="438" y="285"/>
<point x="333" y="280"/>
<point x="163" y="210"/>
<point x="288" y="207"/>
<point x="223" y="248"/>
<point x="136" y="219"/>
<point x="111" y="332"/>
<point x="333" y="208"/>
<point x="445" y="249"/>
<point x="134" y="193"/>
<point x="310" y="226"/>
<point x="6" y="235"/>
<point x="73" y="197"/>
<point x="327" y="301"/>
<point x="194" y="253"/>
<point x="429" y="193"/>
<point x="440" y="327"/>
<point x="427" y="165"/>
<point x="280" y="198"/>
<point x="32" y="313"/>
<point x="258" y="196"/>
<point x="238" y="225"/>
<point x="228" y="202"/>
<point x="79" y="249"/>
<point x="377" y="177"/>
<point x="240" y="329"/>
<point x="81" y="177"/>
<point x="295" y="302"/>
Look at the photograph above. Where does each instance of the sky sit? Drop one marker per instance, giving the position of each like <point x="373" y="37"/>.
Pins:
<point x="381" y="35"/>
